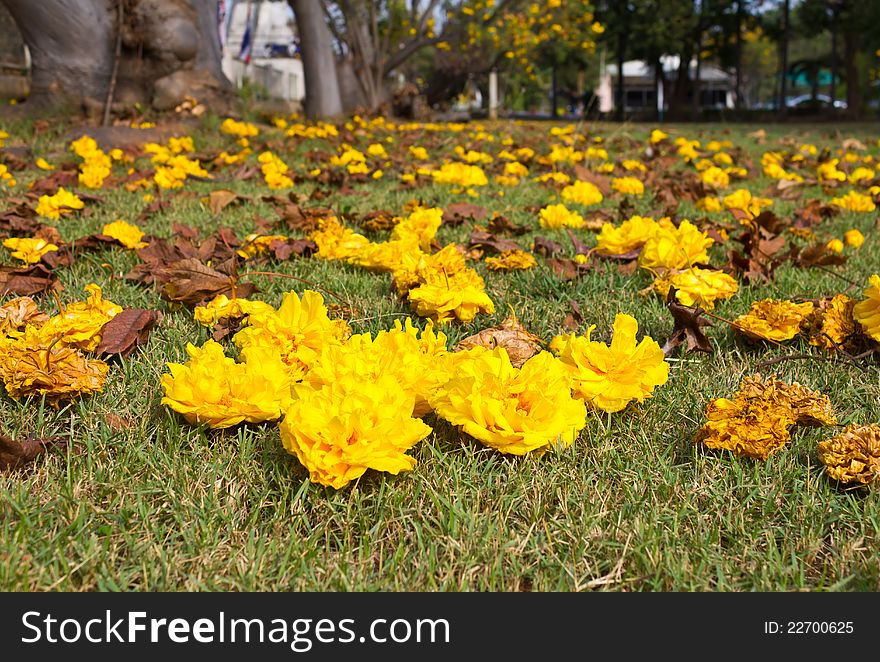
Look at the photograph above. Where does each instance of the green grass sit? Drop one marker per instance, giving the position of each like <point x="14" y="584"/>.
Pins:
<point x="633" y="505"/>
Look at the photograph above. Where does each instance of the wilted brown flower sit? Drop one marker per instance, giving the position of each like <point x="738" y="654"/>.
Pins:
<point x="808" y="407"/>
<point x="854" y="455"/>
<point x="28" y="366"/>
<point x="835" y="323"/>
<point x="16" y="313"/>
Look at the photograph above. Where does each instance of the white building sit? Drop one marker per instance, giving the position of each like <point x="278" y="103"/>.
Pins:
<point x="642" y="91"/>
<point x="273" y="63"/>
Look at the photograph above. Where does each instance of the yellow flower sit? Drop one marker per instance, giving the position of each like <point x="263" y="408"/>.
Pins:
<point x="221" y="307"/>
<point x="30" y="365"/>
<point x="415" y="363"/>
<point x="743" y="200"/>
<point x="828" y="172"/>
<point x="213" y="389"/>
<point x="675" y="248"/>
<point x="444" y="297"/>
<point x="420" y="227"/>
<point x="43" y="164"/>
<point x="771" y="319"/>
<point x="418" y="153"/>
<point x="709" y="204"/>
<point x="559" y="216"/>
<point x="854" y="455"/>
<point x="628" y="185"/>
<point x="80" y="323"/>
<point x="715" y="177"/>
<point x="460" y="174"/>
<point x="867" y="311"/>
<point x="125" y="233"/>
<point x="29" y="250"/>
<point x="756" y="422"/>
<point x="697" y="287"/>
<point x="336" y="242"/>
<point x="835" y="246"/>
<point x="582" y="193"/>
<point x="610" y="377"/>
<point x="240" y="129"/>
<point x="258" y="244"/>
<point x="296" y="332"/>
<point x="339" y="430"/>
<point x="854" y="201"/>
<point x="837" y="323"/>
<point x="657" y="136"/>
<point x="514" y="410"/>
<point x="62" y="203"/>
<point x="632" y="234"/>
<point x="854" y="238"/>
<point x="511" y="260"/>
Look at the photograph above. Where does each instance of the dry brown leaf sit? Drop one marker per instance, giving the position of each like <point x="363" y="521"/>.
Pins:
<point x="14" y="454"/>
<point x="511" y="335"/>
<point x="127" y="331"/>
<point x="27" y="281"/>
<point x="220" y="199"/>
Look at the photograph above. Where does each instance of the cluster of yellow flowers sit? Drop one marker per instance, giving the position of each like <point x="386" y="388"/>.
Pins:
<point x="241" y="129"/>
<point x="96" y="165"/>
<point x="274" y="171"/>
<point x="173" y="166"/>
<point x="348" y="403"/>
<point x="6" y="177"/>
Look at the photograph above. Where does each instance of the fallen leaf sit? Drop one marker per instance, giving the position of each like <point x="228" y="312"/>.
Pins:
<point x="282" y="250"/>
<point x="573" y="319"/>
<point x="488" y="241"/>
<point x="459" y="212"/>
<point x="190" y="282"/>
<point x="220" y="199"/>
<point x="127" y="331"/>
<point x="501" y="224"/>
<point x="511" y="335"/>
<point x="566" y="269"/>
<point x="14" y="454"/>
<point x="117" y="423"/>
<point x="688" y="327"/>
<point x="546" y="247"/>
<point x="27" y="281"/>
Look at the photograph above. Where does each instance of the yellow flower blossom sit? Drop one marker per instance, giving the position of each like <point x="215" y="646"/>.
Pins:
<point x="338" y="431"/>
<point x="513" y="410"/>
<point x="582" y="193"/>
<point x="855" y="201"/>
<point x="211" y="388"/>
<point x="854" y="238"/>
<point x="772" y="319"/>
<point x="632" y="234"/>
<point x="697" y="287"/>
<point x="221" y="307"/>
<point x="559" y="216"/>
<point x="867" y="311"/>
<point x="80" y="323"/>
<point x="628" y="185"/>
<point x="62" y="203"/>
<point x="125" y="233"/>
<point x="336" y="242"/>
<point x="609" y="377"/>
<point x="29" y="250"/>
<point x="675" y="247"/>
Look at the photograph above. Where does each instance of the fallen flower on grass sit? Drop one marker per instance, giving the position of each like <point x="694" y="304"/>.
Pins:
<point x="211" y="388"/>
<point x="31" y="366"/>
<point x="340" y="430"/>
<point x="867" y="311"/>
<point x="854" y="455"/>
<point x="756" y="422"/>
<point x="772" y="319"/>
<point x="609" y="377"/>
<point x="513" y="410"/>
<point x="29" y="249"/>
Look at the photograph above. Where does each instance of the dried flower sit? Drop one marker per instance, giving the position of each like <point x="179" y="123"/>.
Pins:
<point x="854" y="455"/>
<point x="510" y="261"/>
<point x="771" y="319"/>
<point x="837" y="323"/>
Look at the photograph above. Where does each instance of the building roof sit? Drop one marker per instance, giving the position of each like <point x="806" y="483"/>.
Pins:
<point x="641" y="69"/>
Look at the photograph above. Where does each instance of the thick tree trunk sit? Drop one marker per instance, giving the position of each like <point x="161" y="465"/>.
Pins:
<point x="783" y="60"/>
<point x="170" y="50"/>
<point x="319" y="64"/>
<point x="853" y="82"/>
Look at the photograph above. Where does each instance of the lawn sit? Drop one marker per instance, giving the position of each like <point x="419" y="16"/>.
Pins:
<point x="134" y="497"/>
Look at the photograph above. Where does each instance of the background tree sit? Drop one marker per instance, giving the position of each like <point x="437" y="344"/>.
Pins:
<point x="148" y="51"/>
<point x="323" y="98"/>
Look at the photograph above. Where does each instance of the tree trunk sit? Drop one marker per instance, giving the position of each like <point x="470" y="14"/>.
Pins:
<point x="620" y="91"/>
<point x="737" y="98"/>
<point x="853" y="82"/>
<point x="170" y="50"/>
<point x="783" y="61"/>
<point x="319" y="64"/>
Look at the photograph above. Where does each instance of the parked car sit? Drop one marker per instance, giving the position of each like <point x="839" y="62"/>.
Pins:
<point x="822" y="101"/>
